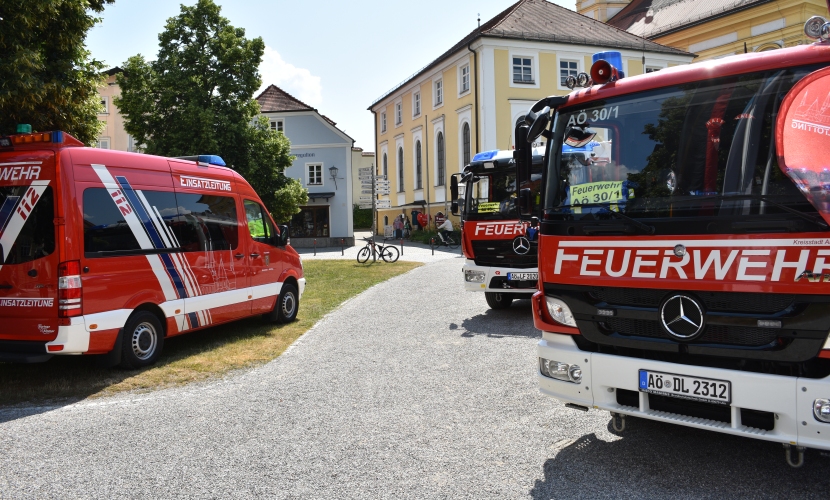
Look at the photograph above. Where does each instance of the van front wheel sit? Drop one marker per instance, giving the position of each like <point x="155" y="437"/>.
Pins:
<point x="288" y="302"/>
<point x="142" y="340"/>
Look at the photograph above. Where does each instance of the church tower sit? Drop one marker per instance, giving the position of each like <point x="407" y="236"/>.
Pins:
<point x="601" y="10"/>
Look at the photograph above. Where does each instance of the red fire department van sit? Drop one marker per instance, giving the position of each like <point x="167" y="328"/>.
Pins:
<point x="108" y="252"/>
<point x="684" y="273"/>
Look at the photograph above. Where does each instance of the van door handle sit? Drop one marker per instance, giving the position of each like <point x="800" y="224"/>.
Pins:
<point x="254" y="255"/>
<point x="239" y="255"/>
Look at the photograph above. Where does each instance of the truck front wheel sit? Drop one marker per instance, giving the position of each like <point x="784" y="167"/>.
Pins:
<point x="497" y="300"/>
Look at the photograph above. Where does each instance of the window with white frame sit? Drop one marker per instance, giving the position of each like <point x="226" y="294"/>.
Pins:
<point x="277" y="125"/>
<point x="400" y="170"/>
<point x="522" y="70"/>
<point x="385" y="166"/>
<point x="439" y="145"/>
<point x="398" y="113"/>
<point x="567" y="68"/>
<point x="105" y="108"/>
<point x="465" y="78"/>
<point x="416" y="104"/>
<point x="652" y="69"/>
<point x="131" y="146"/>
<point x="383" y="121"/>
<point x="315" y="174"/>
<point x="439" y="92"/>
<point x="419" y="184"/>
<point x="466" y="148"/>
<point x="103" y="143"/>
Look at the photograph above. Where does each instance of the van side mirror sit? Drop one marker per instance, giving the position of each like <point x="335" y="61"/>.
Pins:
<point x="523" y="155"/>
<point x="283" y="238"/>
<point x="525" y="201"/>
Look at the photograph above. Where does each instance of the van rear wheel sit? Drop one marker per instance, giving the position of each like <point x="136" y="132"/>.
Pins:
<point x="142" y="340"/>
<point x="498" y="300"/>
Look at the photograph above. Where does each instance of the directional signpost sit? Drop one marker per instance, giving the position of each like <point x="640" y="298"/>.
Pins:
<point x="384" y="204"/>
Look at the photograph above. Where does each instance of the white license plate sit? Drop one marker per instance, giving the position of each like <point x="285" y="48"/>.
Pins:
<point x="522" y="276"/>
<point x="686" y="387"/>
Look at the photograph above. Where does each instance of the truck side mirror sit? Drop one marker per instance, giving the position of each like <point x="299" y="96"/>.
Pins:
<point x="538" y="123"/>
<point x="283" y="238"/>
<point x="523" y="155"/>
<point x="454" y="194"/>
<point x="525" y="201"/>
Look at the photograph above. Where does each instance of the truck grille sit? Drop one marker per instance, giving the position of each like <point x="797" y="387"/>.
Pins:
<point x="500" y="253"/>
<point x="712" y="334"/>
<point x="714" y="301"/>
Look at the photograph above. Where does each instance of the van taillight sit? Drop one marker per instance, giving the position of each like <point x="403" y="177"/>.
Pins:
<point x="69" y="289"/>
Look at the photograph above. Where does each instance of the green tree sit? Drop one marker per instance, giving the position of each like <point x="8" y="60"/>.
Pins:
<point x="288" y="200"/>
<point x="197" y="98"/>
<point x="48" y="79"/>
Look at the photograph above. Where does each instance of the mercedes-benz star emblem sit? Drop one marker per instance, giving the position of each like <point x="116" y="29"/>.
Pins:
<point x="682" y="317"/>
<point x="521" y="245"/>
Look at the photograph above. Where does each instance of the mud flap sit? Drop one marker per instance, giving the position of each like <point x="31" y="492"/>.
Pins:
<point x="112" y="358"/>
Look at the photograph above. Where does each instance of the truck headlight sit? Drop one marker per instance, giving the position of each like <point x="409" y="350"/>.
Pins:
<point x="560" y="312"/>
<point x="471" y="276"/>
<point x="821" y="410"/>
<point x="560" y="371"/>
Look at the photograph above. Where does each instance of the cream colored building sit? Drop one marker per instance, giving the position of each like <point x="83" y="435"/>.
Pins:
<point x="469" y="99"/>
<point x="360" y="159"/>
<point x="716" y="28"/>
<point x="113" y="135"/>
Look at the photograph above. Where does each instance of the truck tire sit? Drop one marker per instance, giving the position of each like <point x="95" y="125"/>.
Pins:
<point x="142" y="340"/>
<point x="498" y="300"/>
<point x="288" y="303"/>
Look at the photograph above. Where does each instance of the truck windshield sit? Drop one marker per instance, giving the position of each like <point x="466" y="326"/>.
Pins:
<point x="27" y="230"/>
<point x="696" y="151"/>
<point x="492" y="195"/>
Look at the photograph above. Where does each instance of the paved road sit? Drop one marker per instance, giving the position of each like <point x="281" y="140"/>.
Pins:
<point x="432" y="398"/>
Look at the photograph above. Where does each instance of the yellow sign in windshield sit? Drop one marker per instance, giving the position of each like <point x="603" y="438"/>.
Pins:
<point x="598" y="192"/>
<point x="489" y="207"/>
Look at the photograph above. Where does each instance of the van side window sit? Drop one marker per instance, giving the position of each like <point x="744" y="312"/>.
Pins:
<point x="36" y="238"/>
<point x="259" y="224"/>
<point x="206" y="222"/>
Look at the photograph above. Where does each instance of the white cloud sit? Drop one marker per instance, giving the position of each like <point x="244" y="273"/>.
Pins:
<point x="298" y="82"/>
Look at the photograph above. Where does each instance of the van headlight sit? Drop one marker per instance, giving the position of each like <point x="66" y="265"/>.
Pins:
<point x="560" y="312"/>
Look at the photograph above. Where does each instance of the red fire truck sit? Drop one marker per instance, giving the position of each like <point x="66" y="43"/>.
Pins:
<point x="108" y="252"/>
<point x="684" y="270"/>
<point x="500" y="259"/>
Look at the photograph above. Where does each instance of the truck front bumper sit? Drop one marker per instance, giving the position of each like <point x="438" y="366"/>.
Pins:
<point x="790" y="399"/>
<point x="494" y="279"/>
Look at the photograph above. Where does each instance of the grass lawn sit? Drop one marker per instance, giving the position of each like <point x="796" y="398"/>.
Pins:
<point x="203" y="354"/>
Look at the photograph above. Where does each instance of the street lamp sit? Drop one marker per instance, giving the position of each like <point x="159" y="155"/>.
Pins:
<point x="333" y="172"/>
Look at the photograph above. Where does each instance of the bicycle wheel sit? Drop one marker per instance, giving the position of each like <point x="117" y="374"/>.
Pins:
<point x="390" y="253"/>
<point x="364" y="254"/>
<point x="453" y="240"/>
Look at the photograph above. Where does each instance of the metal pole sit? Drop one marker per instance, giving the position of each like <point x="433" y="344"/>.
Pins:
<point x="401" y="246"/>
<point x="432" y="245"/>
<point x="315" y="247"/>
<point x="342" y="247"/>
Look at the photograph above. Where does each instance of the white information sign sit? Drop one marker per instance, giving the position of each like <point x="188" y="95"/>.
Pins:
<point x="384" y="204"/>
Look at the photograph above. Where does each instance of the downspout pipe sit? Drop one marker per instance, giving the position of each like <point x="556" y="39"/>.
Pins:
<point x="475" y="94"/>
<point x="377" y="163"/>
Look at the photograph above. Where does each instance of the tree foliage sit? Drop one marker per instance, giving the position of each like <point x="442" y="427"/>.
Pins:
<point x="197" y="98"/>
<point x="288" y="200"/>
<point x="48" y="79"/>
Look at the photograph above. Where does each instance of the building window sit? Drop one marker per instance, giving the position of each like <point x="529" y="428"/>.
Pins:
<point x="131" y="146"/>
<point x="315" y="174"/>
<point x="277" y="125"/>
<point x="418" y="172"/>
<point x="311" y="222"/>
<point x="566" y="69"/>
<point x="103" y="143"/>
<point x="416" y="104"/>
<point x="465" y="139"/>
<point x="398" y="113"/>
<point x="439" y="146"/>
<point x="385" y="167"/>
<point x="465" y="78"/>
<point x="400" y="170"/>
<point x="383" y="122"/>
<point x="439" y="92"/>
<point x="105" y="108"/>
<point x="652" y="69"/>
<point x="522" y="70"/>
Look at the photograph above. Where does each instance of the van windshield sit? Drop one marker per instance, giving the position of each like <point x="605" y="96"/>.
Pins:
<point x="698" y="150"/>
<point x="27" y="229"/>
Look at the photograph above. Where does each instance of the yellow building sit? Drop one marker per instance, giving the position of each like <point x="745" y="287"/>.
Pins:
<point x="470" y="97"/>
<point x="601" y="10"/>
<point x="113" y="135"/>
<point x="713" y="29"/>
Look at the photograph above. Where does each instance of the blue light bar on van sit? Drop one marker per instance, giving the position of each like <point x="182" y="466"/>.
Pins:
<point x="485" y="155"/>
<point x="212" y="160"/>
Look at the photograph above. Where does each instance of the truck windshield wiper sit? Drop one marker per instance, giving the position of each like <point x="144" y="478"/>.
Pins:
<point x="809" y="218"/>
<point x="605" y="210"/>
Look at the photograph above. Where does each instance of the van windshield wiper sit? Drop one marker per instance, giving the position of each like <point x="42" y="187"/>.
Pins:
<point x="604" y="209"/>
<point x="818" y="221"/>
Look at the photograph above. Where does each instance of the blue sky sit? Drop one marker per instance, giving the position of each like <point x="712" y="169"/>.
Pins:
<point x="337" y="56"/>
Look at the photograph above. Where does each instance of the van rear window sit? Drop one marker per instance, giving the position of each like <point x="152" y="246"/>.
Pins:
<point x="165" y="220"/>
<point x="27" y="229"/>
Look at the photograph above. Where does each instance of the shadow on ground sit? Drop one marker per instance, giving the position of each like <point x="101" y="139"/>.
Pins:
<point x="515" y="321"/>
<point x="658" y="460"/>
<point x="29" y="389"/>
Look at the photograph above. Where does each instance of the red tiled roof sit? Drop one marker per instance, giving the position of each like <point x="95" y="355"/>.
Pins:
<point x="274" y="99"/>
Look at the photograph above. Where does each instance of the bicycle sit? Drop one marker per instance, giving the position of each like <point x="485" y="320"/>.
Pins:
<point x="451" y="240"/>
<point x="374" y="249"/>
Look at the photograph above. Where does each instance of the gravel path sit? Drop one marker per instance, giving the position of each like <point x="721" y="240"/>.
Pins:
<point x="433" y="398"/>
